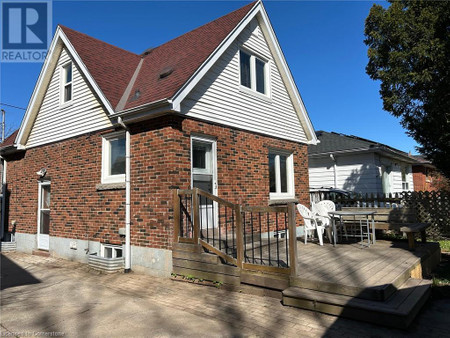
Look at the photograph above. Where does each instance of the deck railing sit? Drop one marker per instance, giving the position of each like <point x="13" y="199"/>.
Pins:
<point x="249" y="237"/>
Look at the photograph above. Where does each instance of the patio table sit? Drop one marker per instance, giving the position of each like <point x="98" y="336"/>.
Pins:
<point x="367" y="214"/>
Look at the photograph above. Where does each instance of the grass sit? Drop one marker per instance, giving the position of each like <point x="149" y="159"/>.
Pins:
<point x="441" y="276"/>
<point x="445" y="245"/>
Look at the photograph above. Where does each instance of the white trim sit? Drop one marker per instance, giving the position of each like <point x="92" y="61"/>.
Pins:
<point x="33" y="106"/>
<point x="213" y="159"/>
<point x="267" y="71"/>
<point x="280" y="61"/>
<point x="114" y="249"/>
<point x="290" y="176"/>
<point x="38" y="233"/>
<point x="63" y="84"/>
<point x="106" y="157"/>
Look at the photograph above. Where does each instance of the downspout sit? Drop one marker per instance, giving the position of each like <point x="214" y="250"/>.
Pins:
<point x="334" y="170"/>
<point x="127" y="197"/>
<point x="3" y="192"/>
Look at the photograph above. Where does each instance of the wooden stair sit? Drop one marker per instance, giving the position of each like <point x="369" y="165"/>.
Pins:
<point x="397" y="311"/>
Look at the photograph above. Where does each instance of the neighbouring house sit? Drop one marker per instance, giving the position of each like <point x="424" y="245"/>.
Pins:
<point x="358" y="165"/>
<point x="425" y="175"/>
<point x="108" y="134"/>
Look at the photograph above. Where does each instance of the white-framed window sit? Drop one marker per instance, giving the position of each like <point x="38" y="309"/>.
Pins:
<point x="111" y="251"/>
<point x="281" y="175"/>
<point x="405" y="185"/>
<point x="253" y="72"/>
<point x="113" y="158"/>
<point x="66" y="83"/>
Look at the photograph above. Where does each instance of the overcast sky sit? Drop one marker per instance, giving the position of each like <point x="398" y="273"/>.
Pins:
<point x="322" y="42"/>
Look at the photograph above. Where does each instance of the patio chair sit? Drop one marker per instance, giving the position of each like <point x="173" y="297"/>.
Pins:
<point x="321" y="209"/>
<point x="311" y="224"/>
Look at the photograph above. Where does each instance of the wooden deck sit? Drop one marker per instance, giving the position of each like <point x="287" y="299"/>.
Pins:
<point x="374" y="272"/>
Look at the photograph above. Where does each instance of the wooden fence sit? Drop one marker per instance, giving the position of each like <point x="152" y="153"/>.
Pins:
<point x="431" y="207"/>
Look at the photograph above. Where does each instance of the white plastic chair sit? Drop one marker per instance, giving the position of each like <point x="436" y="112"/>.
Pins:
<point x="311" y="224"/>
<point x="321" y="209"/>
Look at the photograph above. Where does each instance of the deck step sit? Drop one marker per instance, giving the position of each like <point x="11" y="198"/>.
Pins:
<point x="398" y="311"/>
<point x="187" y="247"/>
<point x="376" y="291"/>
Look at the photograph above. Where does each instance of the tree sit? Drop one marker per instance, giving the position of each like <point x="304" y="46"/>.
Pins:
<point x="409" y="52"/>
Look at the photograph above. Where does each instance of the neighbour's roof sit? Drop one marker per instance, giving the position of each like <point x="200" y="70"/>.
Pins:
<point x="112" y="67"/>
<point x="9" y="141"/>
<point x="331" y="142"/>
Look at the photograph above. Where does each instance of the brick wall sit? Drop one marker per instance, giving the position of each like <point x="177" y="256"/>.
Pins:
<point x="423" y="178"/>
<point x="160" y="151"/>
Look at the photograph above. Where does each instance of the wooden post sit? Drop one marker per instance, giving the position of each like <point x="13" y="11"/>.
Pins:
<point x="196" y="211"/>
<point x="292" y="239"/>
<point x="176" y="216"/>
<point x="239" y="236"/>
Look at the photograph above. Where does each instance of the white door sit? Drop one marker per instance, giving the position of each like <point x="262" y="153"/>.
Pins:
<point x="43" y="219"/>
<point x="204" y="168"/>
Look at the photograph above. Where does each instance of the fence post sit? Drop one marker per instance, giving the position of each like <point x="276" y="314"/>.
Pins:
<point x="292" y="238"/>
<point x="239" y="236"/>
<point x="176" y="215"/>
<point x="196" y="212"/>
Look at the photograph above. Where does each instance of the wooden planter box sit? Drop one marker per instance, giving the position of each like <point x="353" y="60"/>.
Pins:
<point x="108" y="265"/>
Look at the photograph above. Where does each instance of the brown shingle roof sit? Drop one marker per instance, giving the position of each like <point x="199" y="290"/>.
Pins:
<point x="184" y="55"/>
<point x="112" y="67"/>
<point x="9" y="141"/>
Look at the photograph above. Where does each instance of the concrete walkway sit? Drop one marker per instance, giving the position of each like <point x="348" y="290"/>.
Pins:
<point x="48" y="296"/>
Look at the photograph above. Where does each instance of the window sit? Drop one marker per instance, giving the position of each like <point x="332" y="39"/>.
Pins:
<point x="113" y="158"/>
<point x="281" y="175"/>
<point x="110" y="251"/>
<point x="405" y="185"/>
<point x="67" y="82"/>
<point x="253" y="72"/>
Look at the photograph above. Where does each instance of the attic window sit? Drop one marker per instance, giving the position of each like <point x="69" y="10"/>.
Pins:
<point x="253" y="72"/>
<point x="66" y="82"/>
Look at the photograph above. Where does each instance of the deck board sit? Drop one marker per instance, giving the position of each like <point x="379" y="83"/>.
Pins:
<point x="352" y="267"/>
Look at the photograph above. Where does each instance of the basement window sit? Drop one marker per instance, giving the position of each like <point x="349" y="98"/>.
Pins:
<point x="113" y="158"/>
<point x="281" y="175"/>
<point x="110" y="251"/>
<point x="253" y="73"/>
<point x="66" y="73"/>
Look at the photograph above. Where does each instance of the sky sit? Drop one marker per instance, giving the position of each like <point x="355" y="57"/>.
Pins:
<point x="322" y="42"/>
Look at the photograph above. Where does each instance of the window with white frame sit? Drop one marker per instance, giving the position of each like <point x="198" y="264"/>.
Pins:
<point x="113" y="158"/>
<point x="110" y="251"/>
<point x="66" y="82"/>
<point x="253" y="72"/>
<point x="405" y="185"/>
<point x="281" y="175"/>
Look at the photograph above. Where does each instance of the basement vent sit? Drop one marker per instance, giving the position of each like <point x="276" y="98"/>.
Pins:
<point x="165" y="72"/>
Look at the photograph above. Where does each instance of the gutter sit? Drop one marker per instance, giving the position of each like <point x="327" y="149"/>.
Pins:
<point x="380" y="150"/>
<point x="127" y="197"/>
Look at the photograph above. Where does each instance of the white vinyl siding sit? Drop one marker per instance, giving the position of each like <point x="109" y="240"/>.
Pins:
<point x="321" y="173"/>
<point x="218" y="97"/>
<point x="356" y="173"/>
<point x="81" y="115"/>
